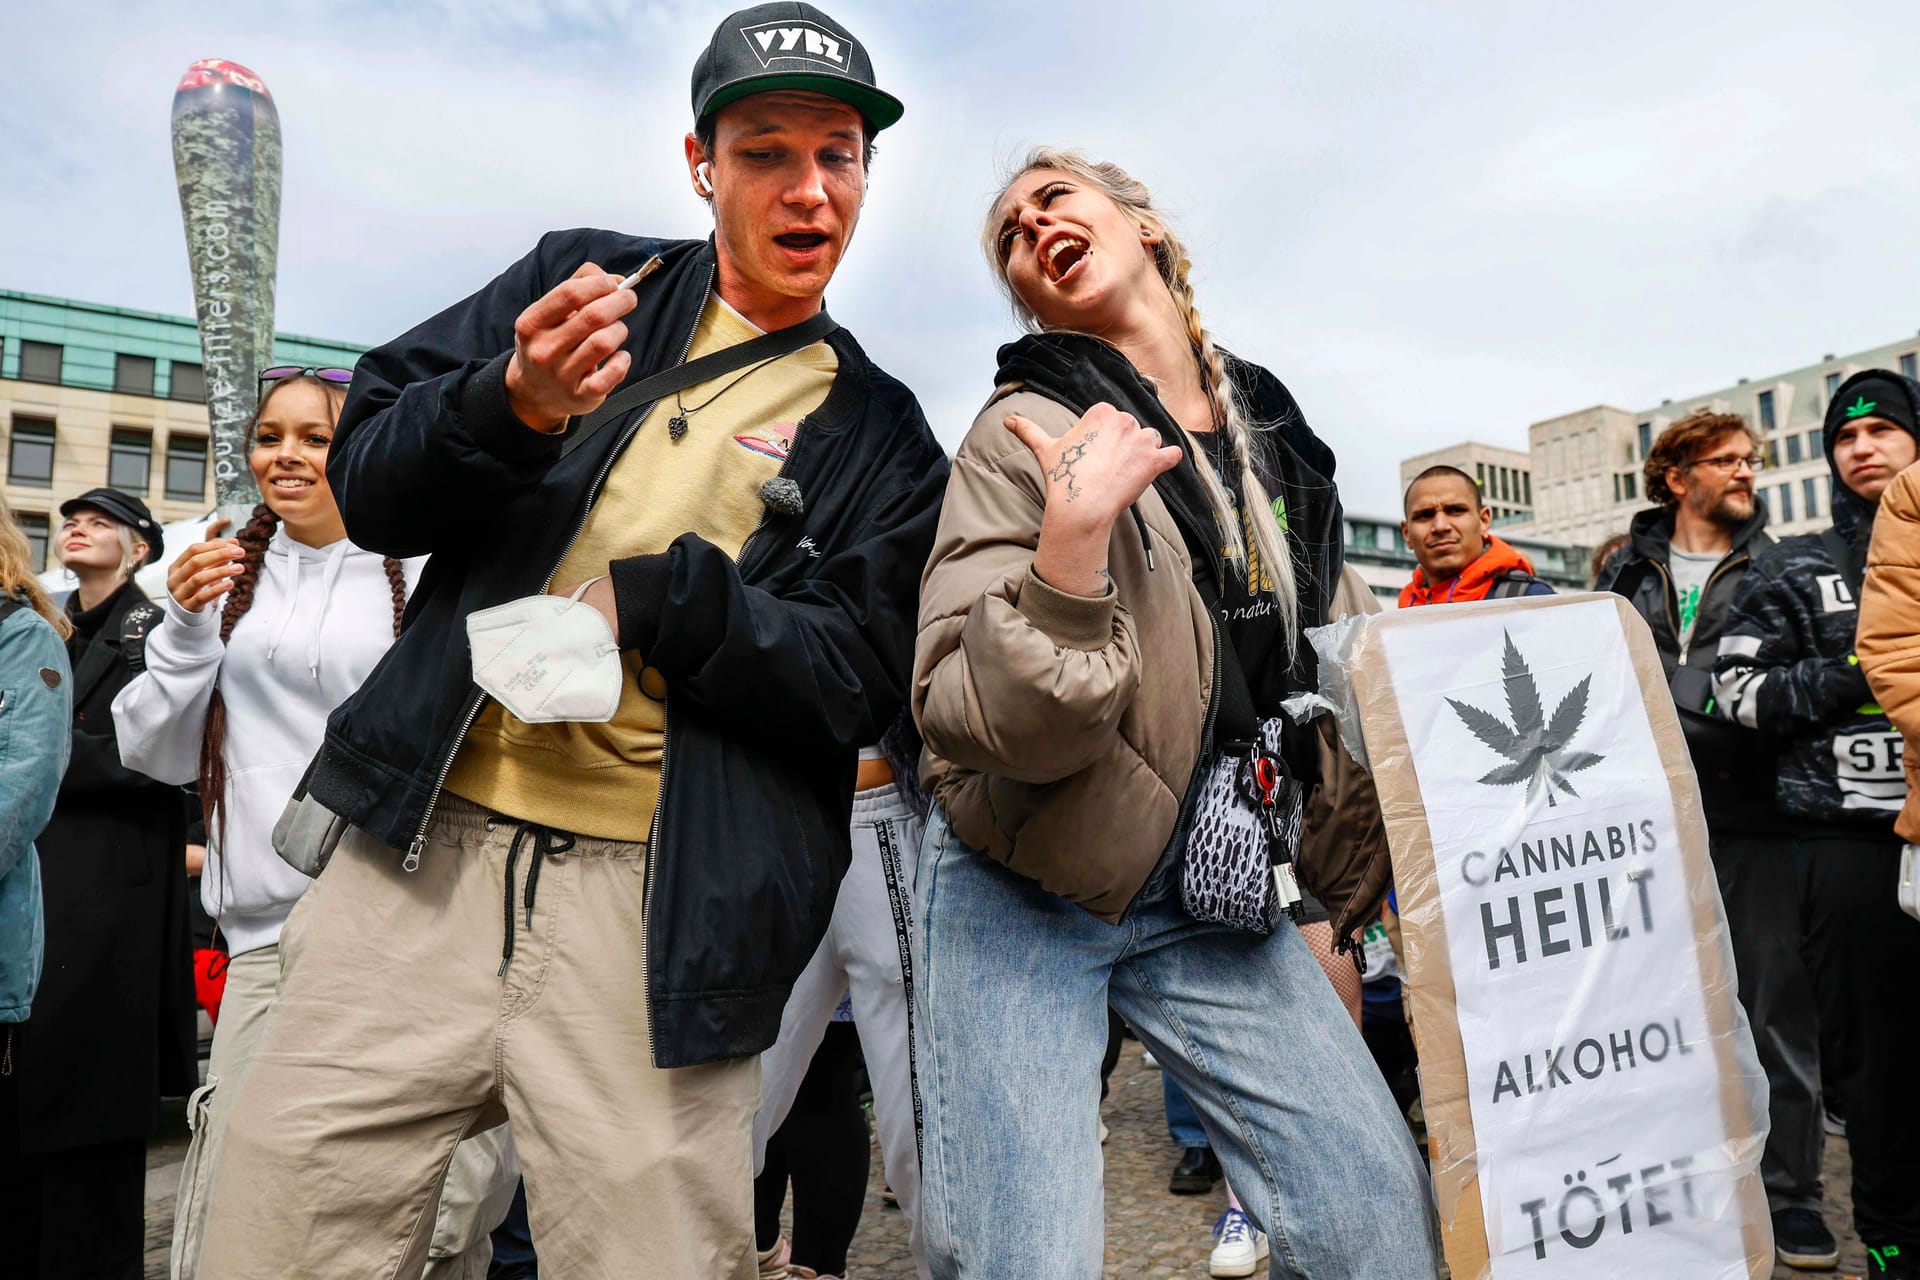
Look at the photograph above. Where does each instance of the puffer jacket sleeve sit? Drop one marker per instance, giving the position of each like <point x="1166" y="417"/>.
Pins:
<point x="161" y="713"/>
<point x="1887" y="640"/>
<point x="1013" y="677"/>
<point x="1770" y="674"/>
<point x="36" y="717"/>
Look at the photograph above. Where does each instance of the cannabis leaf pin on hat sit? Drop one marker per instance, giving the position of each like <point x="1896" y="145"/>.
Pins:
<point x="1538" y="750"/>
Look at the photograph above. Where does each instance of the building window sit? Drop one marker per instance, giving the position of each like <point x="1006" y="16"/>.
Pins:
<point x="1646" y="440"/>
<point x="1631" y="484"/>
<point x="1810" y="490"/>
<point x="1816" y="442"/>
<point x="30" y="454"/>
<point x="1833" y="384"/>
<point x="133" y="375"/>
<point x="130" y="461"/>
<point x="1910" y="365"/>
<point x="39" y="535"/>
<point x="1786" y="504"/>
<point x="186" y="468"/>
<point x="1793" y="450"/>
<point x="1766" y="411"/>
<point x="1526" y="487"/>
<point x="189" y="383"/>
<point x="40" y="361"/>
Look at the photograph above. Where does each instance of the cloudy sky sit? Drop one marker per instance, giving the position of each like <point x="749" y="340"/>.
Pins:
<point x="1434" y="221"/>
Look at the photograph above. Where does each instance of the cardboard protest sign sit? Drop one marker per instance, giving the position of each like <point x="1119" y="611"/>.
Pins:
<point x="1588" y="1075"/>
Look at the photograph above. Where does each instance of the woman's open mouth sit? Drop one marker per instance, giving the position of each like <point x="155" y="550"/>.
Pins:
<point x="1063" y="257"/>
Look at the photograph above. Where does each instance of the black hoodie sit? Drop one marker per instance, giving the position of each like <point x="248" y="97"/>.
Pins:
<point x="1786" y="664"/>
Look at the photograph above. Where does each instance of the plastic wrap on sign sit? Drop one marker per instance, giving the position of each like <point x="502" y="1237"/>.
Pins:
<point x="1590" y="1083"/>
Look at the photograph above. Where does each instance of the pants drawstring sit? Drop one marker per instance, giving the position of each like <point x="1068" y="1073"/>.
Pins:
<point x="547" y="843"/>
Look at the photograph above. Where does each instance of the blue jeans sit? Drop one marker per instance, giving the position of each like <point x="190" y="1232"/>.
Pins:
<point x="1183" y="1122"/>
<point x="1011" y="1004"/>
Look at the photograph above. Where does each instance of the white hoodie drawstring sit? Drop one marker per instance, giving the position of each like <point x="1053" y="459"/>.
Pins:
<point x="293" y="600"/>
<point x="336" y="561"/>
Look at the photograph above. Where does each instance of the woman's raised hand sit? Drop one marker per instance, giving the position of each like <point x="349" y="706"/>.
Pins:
<point x="204" y="571"/>
<point x="1098" y="469"/>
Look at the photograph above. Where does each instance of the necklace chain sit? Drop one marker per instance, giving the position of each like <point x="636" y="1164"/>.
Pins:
<point x="677" y="424"/>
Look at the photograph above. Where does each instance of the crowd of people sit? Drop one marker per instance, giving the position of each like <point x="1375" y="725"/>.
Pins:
<point x="618" y="692"/>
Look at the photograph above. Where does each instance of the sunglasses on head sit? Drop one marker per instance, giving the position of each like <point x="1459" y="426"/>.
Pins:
<point x="339" y="377"/>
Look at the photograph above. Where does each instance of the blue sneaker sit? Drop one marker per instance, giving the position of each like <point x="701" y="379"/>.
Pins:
<point x="1802" y="1241"/>
<point x="1238" y="1249"/>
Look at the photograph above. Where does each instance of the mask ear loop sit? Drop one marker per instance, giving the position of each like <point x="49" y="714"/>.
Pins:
<point x="582" y="588"/>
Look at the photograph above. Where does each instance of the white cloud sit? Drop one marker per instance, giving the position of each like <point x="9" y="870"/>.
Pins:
<point x="1434" y="222"/>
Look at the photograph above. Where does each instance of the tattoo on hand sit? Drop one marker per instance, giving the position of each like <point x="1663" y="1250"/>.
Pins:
<point x="1070" y="457"/>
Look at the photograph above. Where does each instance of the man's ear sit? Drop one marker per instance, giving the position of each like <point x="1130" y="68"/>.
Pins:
<point x="697" y="158"/>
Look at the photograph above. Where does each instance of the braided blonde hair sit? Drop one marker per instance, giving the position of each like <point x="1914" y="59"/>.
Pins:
<point x="1268" y="565"/>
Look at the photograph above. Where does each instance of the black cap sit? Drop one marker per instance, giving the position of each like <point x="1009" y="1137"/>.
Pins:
<point x="125" y="508"/>
<point x="788" y="46"/>
<point x="1875" y="393"/>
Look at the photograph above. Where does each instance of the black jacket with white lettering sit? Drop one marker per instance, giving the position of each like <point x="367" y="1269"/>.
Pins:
<point x="1786" y="667"/>
<point x="781" y="666"/>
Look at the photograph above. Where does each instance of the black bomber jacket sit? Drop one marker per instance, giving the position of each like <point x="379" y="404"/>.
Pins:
<point x="781" y="664"/>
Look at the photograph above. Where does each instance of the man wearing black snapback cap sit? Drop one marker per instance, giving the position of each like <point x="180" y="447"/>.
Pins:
<point x="592" y="927"/>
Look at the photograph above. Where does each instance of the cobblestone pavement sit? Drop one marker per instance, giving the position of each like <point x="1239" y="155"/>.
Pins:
<point x="1149" y="1232"/>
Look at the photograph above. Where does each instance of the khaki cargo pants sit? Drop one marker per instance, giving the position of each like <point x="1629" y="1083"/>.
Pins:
<point x="402" y="1025"/>
<point x="479" y="1187"/>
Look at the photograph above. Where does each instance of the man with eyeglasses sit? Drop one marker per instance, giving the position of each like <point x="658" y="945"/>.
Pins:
<point x="1787" y="668"/>
<point x="1682" y="565"/>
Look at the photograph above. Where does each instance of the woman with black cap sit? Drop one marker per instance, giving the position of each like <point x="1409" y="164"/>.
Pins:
<point x="112" y="1027"/>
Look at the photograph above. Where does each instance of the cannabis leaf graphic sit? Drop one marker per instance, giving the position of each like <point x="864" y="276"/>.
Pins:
<point x="1537" y="749"/>
<point x="1861" y="407"/>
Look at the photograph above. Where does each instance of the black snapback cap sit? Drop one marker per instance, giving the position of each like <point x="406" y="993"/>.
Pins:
<point x="788" y="46"/>
<point x="125" y="508"/>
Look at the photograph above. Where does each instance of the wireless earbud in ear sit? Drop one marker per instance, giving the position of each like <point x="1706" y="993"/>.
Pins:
<point x="703" y="178"/>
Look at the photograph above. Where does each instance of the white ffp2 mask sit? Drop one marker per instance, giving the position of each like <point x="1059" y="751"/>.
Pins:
<point x="547" y="659"/>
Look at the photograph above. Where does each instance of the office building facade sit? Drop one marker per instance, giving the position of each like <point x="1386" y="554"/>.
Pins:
<point x="97" y="395"/>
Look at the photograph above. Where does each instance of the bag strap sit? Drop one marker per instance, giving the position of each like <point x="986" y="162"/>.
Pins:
<point x="1234" y="717"/>
<point x="1847" y="558"/>
<point x="768" y="346"/>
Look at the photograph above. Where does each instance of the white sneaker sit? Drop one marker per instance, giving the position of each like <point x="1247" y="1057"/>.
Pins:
<point x="1237" y="1248"/>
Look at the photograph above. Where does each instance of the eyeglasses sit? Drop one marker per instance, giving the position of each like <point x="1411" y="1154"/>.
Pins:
<point x="338" y="377"/>
<point x="1753" y="462"/>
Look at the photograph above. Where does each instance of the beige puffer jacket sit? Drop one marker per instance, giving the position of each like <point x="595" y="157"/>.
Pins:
<point x="1061" y="731"/>
<point x="1887" y="637"/>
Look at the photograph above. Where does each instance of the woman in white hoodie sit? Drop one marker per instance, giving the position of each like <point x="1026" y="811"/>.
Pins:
<point x="265" y="633"/>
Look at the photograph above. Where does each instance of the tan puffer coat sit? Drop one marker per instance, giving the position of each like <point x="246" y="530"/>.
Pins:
<point x="1061" y="731"/>
<point x="1887" y="636"/>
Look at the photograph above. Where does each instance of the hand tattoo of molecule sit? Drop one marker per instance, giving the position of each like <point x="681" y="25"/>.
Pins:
<point x="1070" y="457"/>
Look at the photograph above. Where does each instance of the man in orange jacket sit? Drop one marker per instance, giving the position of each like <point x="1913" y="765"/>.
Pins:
<point x="1446" y="528"/>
